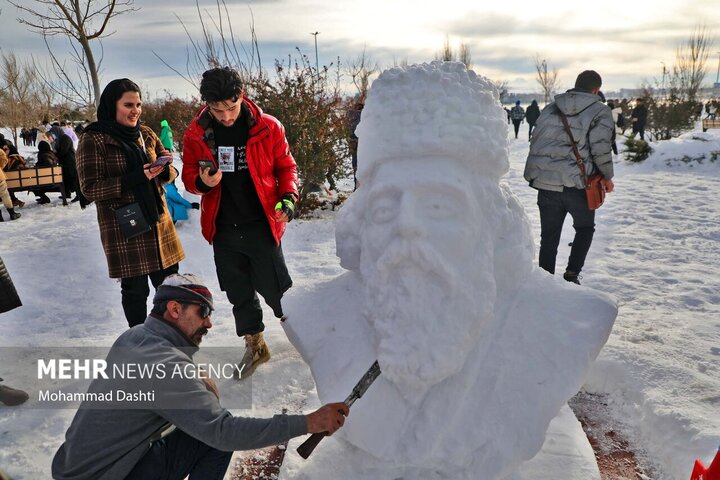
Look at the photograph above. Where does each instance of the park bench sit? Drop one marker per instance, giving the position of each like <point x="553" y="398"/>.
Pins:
<point x="710" y="123"/>
<point x="46" y="178"/>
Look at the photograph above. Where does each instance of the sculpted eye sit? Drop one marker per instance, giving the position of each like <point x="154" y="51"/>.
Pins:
<point x="439" y="208"/>
<point x="382" y="210"/>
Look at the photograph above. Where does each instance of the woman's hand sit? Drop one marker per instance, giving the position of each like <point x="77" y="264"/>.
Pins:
<point x="151" y="173"/>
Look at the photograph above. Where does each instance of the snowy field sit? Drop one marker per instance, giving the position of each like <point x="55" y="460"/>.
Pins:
<point x="655" y="250"/>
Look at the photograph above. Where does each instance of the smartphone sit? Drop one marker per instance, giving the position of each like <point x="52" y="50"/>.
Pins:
<point x="203" y="164"/>
<point x="160" y="162"/>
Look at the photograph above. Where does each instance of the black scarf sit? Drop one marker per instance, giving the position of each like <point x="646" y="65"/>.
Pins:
<point x="146" y="194"/>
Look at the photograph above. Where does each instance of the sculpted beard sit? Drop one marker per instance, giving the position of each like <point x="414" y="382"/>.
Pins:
<point x="427" y="314"/>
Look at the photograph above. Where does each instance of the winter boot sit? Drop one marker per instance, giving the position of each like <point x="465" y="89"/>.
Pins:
<point x="12" y="396"/>
<point x="571" y="277"/>
<point x="256" y="353"/>
<point x="13" y="214"/>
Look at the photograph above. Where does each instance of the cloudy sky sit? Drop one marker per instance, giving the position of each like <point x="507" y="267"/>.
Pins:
<point x="625" y="41"/>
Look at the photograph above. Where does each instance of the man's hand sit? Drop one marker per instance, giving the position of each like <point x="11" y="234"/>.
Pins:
<point x="210" y="180"/>
<point x="285" y="208"/>
<point x="608" y="184"/>
<point x="328" y="418"/>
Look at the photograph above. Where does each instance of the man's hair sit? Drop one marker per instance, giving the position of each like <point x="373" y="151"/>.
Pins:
<point x="588" y="80"/>
<point x="220" y="84"/>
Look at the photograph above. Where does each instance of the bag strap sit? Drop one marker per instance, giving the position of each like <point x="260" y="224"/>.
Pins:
<point x="574" y="147"/>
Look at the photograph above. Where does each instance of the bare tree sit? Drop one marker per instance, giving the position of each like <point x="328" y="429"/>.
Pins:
<point x="502" y="88"/>
<point x="691" y="58"/>
<point x="361" y="69"/>
<point x="464" y="55"/>
<point x="546" y="79"/>
<point x="19" y="96"/>
<point x="73" y="82"/>
<point x="402" y="63"/>
<point x="218" y="46"/>
<point x="446" y="54"/>
<point x="80" y="21"/>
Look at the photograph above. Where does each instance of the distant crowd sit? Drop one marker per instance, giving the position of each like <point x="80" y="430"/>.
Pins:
<point x="622" y="109"/>
<point x="56" y="144"/>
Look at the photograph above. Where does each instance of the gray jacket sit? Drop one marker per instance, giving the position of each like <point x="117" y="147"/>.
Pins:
<point x="551" y="164"/>
<point x="105" y="444"/>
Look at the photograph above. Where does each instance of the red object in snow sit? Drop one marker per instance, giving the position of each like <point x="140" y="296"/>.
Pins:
<point x="700" y="472"/>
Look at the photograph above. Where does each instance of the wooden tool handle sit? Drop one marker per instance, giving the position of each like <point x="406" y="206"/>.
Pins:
<point x="309" y="445"/>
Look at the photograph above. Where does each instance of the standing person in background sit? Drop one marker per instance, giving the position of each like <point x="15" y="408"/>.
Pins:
<point x="166" y="136"/>
<point x="114" y="170"/>
<point x="616" y="113"/>
<point x="532" y="114"/>
<point x="639" y="118"/>
<point x="248" y="196"/>
<point x="4" y="194"/>
<point x="553" y="170"/>
<point x="517" y="113"/>
<point x="353" y="120"/>
<point x="66" y="158"/>
<point x="70" y="132"/>
<point x="33" y="136"/>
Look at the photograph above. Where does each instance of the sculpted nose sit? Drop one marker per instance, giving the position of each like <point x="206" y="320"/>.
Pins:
<point x="409" y="221"/>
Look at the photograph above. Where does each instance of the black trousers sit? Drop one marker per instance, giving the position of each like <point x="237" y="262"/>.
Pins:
<point x="179" y="455"/>
<point x="554" y="207"/>
<point x="530" y="129"/>
<point x="516" y="124"/>
<point x="248" y="262"/>
<point x="135" y="291"/>
<point x="639" y="129"/>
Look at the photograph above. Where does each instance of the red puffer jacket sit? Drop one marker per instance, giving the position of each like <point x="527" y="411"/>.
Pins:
<point x="271" y="166"/>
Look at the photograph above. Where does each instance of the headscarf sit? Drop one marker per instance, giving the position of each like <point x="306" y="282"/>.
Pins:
<point x="43" y="146"/>
<point x="146" y="194"/>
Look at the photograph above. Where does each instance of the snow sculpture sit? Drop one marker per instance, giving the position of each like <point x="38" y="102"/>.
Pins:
<point x="479" y="350"/>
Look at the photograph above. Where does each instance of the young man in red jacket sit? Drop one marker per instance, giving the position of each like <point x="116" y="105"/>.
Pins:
<point x="248" y="196"/>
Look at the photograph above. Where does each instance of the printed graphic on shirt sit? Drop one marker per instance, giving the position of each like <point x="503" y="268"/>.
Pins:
<point x="226" y="159"/>
<point x="242" y="159"/>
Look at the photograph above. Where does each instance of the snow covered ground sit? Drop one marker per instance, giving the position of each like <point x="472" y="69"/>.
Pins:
<point x="655" y="250"/>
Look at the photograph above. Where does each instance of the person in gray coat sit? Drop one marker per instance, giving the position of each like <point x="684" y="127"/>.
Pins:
<point x="552" y="169"/>
<point x="109" y="441"/>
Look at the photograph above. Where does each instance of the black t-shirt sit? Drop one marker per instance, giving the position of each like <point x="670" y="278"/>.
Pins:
<point x="239" y="203"/>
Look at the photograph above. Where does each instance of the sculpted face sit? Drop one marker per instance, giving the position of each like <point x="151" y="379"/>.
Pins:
<point x="427" y="286"/>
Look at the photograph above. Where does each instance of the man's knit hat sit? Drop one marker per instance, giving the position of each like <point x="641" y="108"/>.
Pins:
<point x="184" y="287"/>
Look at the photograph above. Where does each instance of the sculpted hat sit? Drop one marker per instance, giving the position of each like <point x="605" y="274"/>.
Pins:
<point x="183" y="288"/>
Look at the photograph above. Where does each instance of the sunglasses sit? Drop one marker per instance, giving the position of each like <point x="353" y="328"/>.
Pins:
<point x="205" y="309"/>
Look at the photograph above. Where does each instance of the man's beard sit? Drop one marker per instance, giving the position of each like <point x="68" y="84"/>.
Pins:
<point x="198" y="335"/>
<point x="427" y="315"/>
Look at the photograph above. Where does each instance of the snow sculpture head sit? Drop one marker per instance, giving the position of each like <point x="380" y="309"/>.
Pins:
<point x="430" y="226"/>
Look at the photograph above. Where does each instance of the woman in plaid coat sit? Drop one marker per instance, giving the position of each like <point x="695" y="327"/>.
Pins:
<point x="112" y="160"/>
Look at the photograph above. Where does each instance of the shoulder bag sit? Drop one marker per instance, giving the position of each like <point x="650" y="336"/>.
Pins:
<point x="594" y="188"/>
